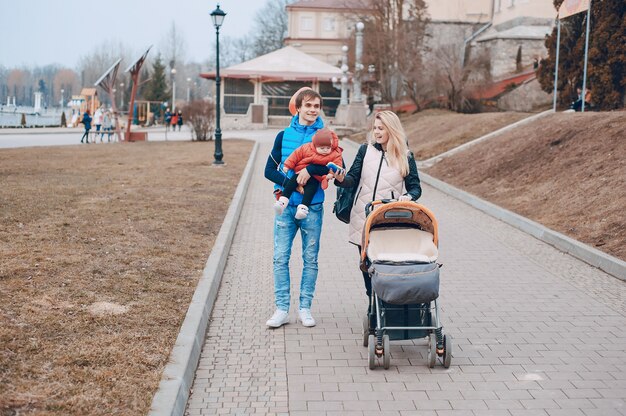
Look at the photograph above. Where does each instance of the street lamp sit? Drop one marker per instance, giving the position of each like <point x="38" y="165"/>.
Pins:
<point x="188" y="85"/>
<point x="344" y="77"/>
<point x="218" y="16"/>
<point x="358" y="66"/>
<point x="173" y="71"/>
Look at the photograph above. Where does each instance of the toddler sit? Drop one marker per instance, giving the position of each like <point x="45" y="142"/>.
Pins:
<point x="322" y="150"/>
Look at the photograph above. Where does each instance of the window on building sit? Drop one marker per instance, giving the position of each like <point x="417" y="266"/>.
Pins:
<point x="238" y="95"/>
<point x="306" y="23"/>
<point x="331" y="97"/>
<point x="329" y="24"/>
<point x="278" y="95"/>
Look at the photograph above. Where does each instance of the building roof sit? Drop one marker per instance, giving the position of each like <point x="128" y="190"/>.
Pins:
<point x="286" y="64"/>
<point x="331" y="4"/>
<point x="89" y="91"/>
<point x="517" y="32"/>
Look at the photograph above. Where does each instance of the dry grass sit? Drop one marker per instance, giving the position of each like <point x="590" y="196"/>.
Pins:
<point x="432" y="132"/>
<point x="101" y="248"/>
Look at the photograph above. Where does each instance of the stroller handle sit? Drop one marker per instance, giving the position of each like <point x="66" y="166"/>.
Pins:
<point x="371" y="205"/>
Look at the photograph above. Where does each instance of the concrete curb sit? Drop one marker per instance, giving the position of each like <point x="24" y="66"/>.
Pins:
<point x="178" y="375"/>
<point x="588" y="254"/>
<point x="429" y="162"/>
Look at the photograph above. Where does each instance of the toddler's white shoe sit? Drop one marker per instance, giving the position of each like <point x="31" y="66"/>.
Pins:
<point x="302" y="212"/>
<point x="281" y="204"/>
<point x="279" y="318"/>
<point x="306" y="318"/>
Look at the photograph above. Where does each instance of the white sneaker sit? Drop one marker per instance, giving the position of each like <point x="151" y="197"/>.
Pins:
<point x="302" y="212"/>
<point x="305" y="317"/>
<point x="279" y="318"/>
<point x="281" y="204"/>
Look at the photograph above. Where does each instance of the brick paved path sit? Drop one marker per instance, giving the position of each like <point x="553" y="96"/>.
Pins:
<point x="536" y="332"/>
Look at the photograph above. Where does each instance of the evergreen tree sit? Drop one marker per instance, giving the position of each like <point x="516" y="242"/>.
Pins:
<point x="606" y="70"/>
<point x="156" y="89"/>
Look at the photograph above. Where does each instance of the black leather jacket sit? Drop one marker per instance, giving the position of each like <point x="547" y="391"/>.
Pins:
<point x="353" y="177"/>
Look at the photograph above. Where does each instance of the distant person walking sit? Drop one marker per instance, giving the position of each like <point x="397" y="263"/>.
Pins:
<point x="97" y="121"/>
<point x="107" y="126"/>
<point x="174" y="121"/>
<point x="179" y="120"/>
<point x="86" y="120"/>
<point x="168" y="119"/>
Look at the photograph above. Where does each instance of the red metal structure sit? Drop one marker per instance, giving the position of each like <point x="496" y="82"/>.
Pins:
<point x="134" y="70"/>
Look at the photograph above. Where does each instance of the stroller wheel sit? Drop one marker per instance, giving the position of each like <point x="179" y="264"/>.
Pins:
<point x="386" y="352"/>
<point x="371" y="352"/>
<point x="366" y="329"/>
<point x="432" y="350"/>
<point x="447" y="351"/>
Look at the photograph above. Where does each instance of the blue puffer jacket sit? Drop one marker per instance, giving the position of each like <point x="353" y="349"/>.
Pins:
<point x="295" y="136"/>
<point x="86" y="121"/>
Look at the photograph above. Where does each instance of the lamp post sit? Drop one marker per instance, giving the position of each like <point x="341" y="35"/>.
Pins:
<point x="188" y="86"/>
<point x="358" y="66"/>
<point x="121" y="96"/>
<point x="173" y="72"/>
<point x="344" y="77"/>
<point x="218" y="16"/>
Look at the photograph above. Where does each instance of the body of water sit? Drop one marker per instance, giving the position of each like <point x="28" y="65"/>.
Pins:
<point x="12" y="116"/>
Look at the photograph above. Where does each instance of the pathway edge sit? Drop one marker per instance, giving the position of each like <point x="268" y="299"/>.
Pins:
<point x="174" y="388"/>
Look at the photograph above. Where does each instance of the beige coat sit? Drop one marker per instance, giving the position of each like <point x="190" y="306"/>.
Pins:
<point x="390" y="185"/>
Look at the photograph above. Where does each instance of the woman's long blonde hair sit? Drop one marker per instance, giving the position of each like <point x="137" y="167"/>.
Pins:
<point x="397" y="148"/>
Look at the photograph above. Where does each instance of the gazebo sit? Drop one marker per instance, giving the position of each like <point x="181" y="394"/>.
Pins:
<point x="257" y="92"/>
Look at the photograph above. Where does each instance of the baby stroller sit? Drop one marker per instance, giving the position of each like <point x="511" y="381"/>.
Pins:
<point x="399" y="251"/>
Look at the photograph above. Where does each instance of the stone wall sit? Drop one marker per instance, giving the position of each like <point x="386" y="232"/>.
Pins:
<point x="503" y="54"/>
<point x="446" y="33"/>
<point x="527" y="97"/>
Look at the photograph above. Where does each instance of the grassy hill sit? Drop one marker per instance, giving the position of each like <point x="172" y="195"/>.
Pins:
<point x="566" y="171"/>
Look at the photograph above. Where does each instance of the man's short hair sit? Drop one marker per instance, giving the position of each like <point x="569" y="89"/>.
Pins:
<point x="308" y="94"/>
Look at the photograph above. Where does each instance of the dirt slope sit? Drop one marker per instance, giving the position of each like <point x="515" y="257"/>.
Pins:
<point x="432" y="132"/>
<point x="566" y="171"/>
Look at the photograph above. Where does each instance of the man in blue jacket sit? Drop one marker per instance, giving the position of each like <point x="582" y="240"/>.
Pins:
<point x="303" y="126"/>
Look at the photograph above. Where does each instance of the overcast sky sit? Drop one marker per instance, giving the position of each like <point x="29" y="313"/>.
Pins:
<point x="42" y="32"/>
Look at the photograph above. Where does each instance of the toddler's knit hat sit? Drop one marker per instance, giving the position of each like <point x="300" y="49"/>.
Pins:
<point x="325" y="137"/>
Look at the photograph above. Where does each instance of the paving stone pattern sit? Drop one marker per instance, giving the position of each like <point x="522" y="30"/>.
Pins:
<point x="536" y="332"/>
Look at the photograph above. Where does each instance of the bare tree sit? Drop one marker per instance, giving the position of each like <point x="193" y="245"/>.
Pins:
<point x="68" y="81"/>
<point x="19" y="84"/>
<point x="93" y="65"/>
<point x="458" y="81"/>
<point x="173" y="47"/>
<point x="394" y="43"/>
<point x="270" y="27"/>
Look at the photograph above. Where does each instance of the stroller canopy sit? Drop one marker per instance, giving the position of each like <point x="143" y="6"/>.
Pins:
<point x="400" y="231"/>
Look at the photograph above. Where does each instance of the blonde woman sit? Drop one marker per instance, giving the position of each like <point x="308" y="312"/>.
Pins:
<point x="384" y="168"/>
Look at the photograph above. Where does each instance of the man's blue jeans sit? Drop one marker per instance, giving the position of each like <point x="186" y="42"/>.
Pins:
<point x="285" y="229"/>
